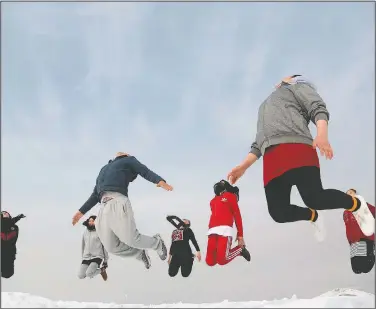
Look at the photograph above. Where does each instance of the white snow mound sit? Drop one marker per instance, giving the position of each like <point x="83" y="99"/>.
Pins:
<point x="338" y="298"/>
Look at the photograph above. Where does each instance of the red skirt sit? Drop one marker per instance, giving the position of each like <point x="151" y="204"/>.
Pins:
<point x="283" y="157"/>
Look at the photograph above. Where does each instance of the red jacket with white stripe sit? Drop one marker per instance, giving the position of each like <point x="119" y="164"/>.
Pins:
<point x="224" y="211"/>
<point x="353" y="231"/>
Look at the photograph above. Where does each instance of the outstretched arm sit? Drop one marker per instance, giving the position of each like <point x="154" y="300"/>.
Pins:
<point x="145" y="172"/>
<point x="18" y="218"/>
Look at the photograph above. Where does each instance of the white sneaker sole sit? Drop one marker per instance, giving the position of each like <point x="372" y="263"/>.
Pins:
<point x="319" y="228"/>
<point x="148" y="259"/>
<point x="364" y="217"/>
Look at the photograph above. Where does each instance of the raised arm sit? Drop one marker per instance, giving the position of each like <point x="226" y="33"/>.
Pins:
<point x="18" y="218"/>
<point x="144" y="171"/>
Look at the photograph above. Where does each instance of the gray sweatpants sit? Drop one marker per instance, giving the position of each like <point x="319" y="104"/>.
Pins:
<point x="117" y="229"/>
<point x="88" y="270"/>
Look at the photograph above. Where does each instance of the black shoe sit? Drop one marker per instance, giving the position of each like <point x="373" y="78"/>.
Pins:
<point x="245" y="254"/>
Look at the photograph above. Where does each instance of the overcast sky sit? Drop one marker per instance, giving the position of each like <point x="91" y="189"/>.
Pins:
<point x="177" y="85"/>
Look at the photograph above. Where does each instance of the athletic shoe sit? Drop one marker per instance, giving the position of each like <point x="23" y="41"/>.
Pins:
<point x="162" y="249"/>
<point x="245" y="254"/>
<point x="145" y="259"/>
<point x="364" y="217"/>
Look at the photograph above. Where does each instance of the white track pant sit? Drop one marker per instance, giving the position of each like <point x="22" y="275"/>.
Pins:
<point x="117" y="229"/>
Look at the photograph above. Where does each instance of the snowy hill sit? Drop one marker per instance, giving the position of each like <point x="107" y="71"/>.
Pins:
<point x="339" y="298"/>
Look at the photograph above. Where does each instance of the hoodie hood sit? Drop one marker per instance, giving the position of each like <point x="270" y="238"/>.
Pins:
<point x="297" y="80"/>
<point x="86" y="223"/>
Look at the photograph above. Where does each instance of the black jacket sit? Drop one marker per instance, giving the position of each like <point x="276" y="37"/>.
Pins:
<point x="9" y="235"/>
<point x="180" y="242"/>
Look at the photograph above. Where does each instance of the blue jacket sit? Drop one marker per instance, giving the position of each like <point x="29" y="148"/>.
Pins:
<point x="116" y="176"/>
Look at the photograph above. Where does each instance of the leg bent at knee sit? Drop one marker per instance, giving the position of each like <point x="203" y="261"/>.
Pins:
<point x="210" y="261"/>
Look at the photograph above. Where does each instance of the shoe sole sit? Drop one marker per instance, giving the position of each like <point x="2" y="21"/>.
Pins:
<point x="148" y="259"/>
<point x="162" y="256"/>
<point x="364" y="217"/>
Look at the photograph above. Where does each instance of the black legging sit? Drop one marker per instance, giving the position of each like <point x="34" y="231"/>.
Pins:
<point x="184" y="263"/>
<point x="308" y="182"/>
<point x="364" y="264"/>
<point x="7" y="265"/>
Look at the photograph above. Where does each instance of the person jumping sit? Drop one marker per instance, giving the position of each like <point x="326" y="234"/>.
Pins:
<point x="284" y="140"/>
<point x="224" y="211"/>
<point x="115" y="223"/>
<point x="180" y="253"/>
<point x="93" y="253"/>
<point x="362" y="247"/>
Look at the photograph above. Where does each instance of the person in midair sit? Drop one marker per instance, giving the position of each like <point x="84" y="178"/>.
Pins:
<point x="289" y="155"/>
<point x="362" y="247"/>
<point x="224" y="211"/>
<point x="115" y="223"/>
<point x="180" y="253"/>
<point x="9" y="237"/>
<point x="93" y="252"/>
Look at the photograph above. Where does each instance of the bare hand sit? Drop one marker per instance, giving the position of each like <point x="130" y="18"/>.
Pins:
<point x="235" y="174"/>
<point x="241" y="242"/>
<point x="77" y="217"/>
<point x="198" y="255"/>
<point x="169" y="260"/>
<point x="322" y="143"/>
<point x="165" y="186"/>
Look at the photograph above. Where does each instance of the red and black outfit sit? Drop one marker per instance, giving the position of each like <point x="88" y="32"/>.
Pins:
<point x="362" y="248"/>
<point x="286" y="165"/>
<point x="181" y="252"/>
<point x="9" y="237"/>
<point x="224" y="212"/>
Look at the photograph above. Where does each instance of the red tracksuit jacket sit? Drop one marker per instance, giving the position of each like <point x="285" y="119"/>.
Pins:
<point x="353" y="231"/>
<point x="224" y="211"/>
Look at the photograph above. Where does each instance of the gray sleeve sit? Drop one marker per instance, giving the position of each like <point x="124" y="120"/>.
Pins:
<point x="105" y="253"/>
<point x="145" y="172"/>
<point x="255" y="149"/>
<point x="311" y="101"/>
<point x="82" y="246"/>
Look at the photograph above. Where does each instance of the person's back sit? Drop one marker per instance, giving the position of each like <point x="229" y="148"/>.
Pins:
<point x="116" y="175"/>
<point x="222" y="210"/>
<point x="115" y="223"/>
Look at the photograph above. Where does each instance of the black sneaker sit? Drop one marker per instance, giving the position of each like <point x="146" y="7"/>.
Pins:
<point x="145" y="259"/>
<point x="162" y="249"/>
<point x="245" y="254"/>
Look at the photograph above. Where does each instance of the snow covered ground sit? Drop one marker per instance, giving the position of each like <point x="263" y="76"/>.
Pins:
<point x="339" y="298"/>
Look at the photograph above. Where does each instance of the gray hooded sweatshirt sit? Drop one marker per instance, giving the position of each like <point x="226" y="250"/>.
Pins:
<point x="284" y="116"/>
<point x="92" y="246"/>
